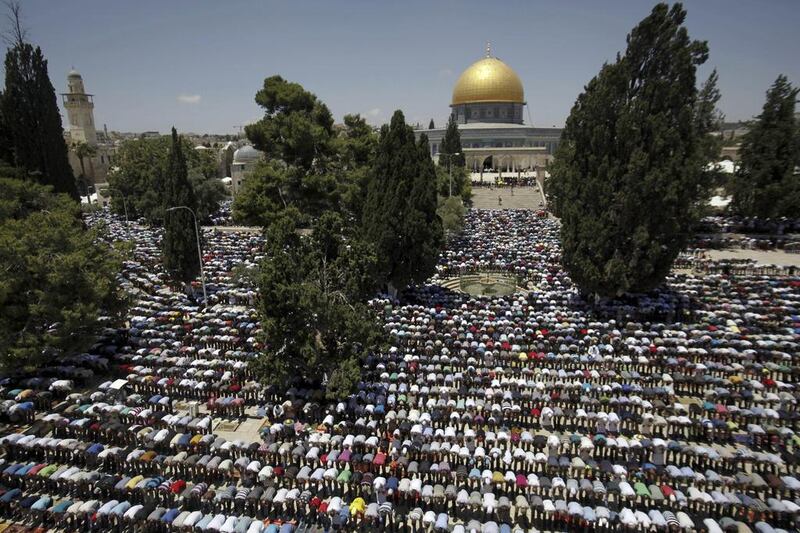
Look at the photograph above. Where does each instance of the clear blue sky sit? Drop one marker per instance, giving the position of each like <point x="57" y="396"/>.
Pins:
<point x="198" y="63"/>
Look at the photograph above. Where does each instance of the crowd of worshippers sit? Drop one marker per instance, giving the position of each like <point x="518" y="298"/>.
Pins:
<point x="670" y="411"/>
<point x="773" y="227"/>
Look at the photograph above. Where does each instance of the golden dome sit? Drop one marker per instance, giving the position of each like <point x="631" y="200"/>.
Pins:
<point x="488" y="80"/>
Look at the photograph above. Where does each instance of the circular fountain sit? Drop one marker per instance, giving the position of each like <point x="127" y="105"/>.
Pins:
<point x="485" y="284"/>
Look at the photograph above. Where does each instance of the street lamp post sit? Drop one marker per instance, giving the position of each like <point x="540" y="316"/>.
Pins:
<point x="450" y="168"/>
<point x="199" y="253"/>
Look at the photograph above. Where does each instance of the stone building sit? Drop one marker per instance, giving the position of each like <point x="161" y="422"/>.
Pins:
<point x="488" y="103"/>
<point x="91" y="170"/>
<point x="244" y="161"/>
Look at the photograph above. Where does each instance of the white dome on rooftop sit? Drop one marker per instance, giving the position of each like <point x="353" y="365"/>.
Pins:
<point x="246" y="154"/>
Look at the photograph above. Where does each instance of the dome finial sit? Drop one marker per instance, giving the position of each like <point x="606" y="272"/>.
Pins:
<point x="488" y="49"/>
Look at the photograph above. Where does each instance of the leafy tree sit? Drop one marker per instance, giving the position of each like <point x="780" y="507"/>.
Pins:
<point x="767" y="182"/>
<point x="451" y="211"/>
<point x="179" y="245"/>
<point x="6" y="142"/>
<point x="84" y="150"/>
<point x="451" y="144"/>
<point x="709" y="119"/>
<point x="32" y="121"/>
<point x="629" y="170"/>
<point x="355" y="145"/>
<point x="297" y="128"/>
<point x="259" y="200"/>
<point x="462" y="185"/>
<point x="431" y="125"/>
<point x="336" y="182"/>
<point x="311" y="289"/>
<point x="400" y="210"/>
<point x="208" y="188"/>
<point x="139" y="170"/>
<point x="57" y="280"/>
<point x="301" y="170"/>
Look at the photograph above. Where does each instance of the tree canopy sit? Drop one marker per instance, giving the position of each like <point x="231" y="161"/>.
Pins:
<point x="297" y="128"/>
<point x="400" y="211"/>
<point x="308" y="164"/>
<point x="628" y="174"/>
<point x="311" y="306"/>
<point x="32" y="122"/>
<point x="179" y="245"/>
<point x="57" y="280"/>
<point x="455" y="178"/>
<point x="139" y="170"/>
<point x="452" y="211"/>
<point x="84" y="151"/>
<point x="767" y="183"/>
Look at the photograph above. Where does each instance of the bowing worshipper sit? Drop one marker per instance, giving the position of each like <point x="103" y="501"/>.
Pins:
<point x="598" y="423"/>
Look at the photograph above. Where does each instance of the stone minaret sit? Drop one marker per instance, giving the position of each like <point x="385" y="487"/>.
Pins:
<point x="80" y="110"/>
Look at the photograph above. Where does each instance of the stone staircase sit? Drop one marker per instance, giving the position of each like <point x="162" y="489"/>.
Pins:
<point x="523" y="198"/>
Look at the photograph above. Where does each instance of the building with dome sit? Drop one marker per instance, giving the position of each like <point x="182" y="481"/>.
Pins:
<point x="488" y="103"/>
<point x="244" y="161"/>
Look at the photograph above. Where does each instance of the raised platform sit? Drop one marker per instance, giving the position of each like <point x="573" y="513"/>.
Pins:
<point x="523" y="198"/>
<point x="484" y="284"/>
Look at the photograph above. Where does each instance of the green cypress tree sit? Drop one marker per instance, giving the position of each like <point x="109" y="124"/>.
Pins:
<point x="6" y="141"/>
<point x="431" y="125"/>
<point x="32" y="121"/>
<point x="179" y="246"/>
<point x="766" y="184"/>
<point x="629" y="171"/>
<point x="451" y="144"/>
<point x="400" y="212"/>
<point x="422" y="225"/>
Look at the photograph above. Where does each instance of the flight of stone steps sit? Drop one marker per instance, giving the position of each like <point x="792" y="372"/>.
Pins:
<point x="523" y="198"/>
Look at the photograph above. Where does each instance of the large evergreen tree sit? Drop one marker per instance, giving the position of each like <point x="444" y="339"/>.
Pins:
<point x="629" y="171"/>
<point x="766" y="183"/>
<point x="301" y="169"/>
<point x="32" y="121"/>
<point x="400" y="211"/>
<point x="311" y="305"/>
<point x="57" y="279"/>
<point x="179" y="246"/>
<point x="355" y="148"/>
<point x="297" y="128"/>
<point x="451" y="144"/>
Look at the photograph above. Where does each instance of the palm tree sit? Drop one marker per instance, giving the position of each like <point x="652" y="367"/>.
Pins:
<point x="82" y="151"/>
